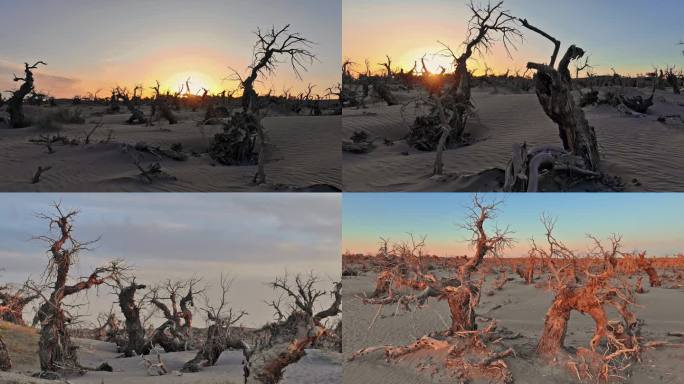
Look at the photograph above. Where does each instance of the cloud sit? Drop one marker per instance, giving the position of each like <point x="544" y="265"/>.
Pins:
<point x="251" y="237"/>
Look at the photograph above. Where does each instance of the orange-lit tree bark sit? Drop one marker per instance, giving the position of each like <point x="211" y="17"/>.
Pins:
<point x="57" y="352"/>
<point x="298" y="328"/>
<point x="462" y="342"/>
<point x="527" y="272"/>
<point x="175" y="334"/>
<point x="14" y="302"/>
<point x="647" y="266"/>
<point x="460" y="291"/>
<point x="613" y="347"/>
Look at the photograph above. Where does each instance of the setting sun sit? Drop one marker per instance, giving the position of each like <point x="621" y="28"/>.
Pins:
<point x="433" y="61"/>
<point x="196" y="80"/>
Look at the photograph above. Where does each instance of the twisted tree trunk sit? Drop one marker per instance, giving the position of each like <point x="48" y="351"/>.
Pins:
<point x="136" y="333"/>
<point x="15" y="104"/>
<point x="554" y="91"/>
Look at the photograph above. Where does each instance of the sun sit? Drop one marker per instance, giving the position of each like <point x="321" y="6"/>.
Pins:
<point x="197" y="81"/>
<point x="433" y="61"/>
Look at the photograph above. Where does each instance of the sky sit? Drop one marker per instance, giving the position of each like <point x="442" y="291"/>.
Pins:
<point x="649" y="221"/>
<point x="90" y="45"/>
<point x="630" y="35"/>
<point x="250" y="237"/>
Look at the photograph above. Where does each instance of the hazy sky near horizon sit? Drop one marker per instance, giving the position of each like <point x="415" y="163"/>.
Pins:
<point x="647" y="221"/>
<point x="90" y="45"/>
<point x="250" y="237"/>
<point x="630" y="35"/>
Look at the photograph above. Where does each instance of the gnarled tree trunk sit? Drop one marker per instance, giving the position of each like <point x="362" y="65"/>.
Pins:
<point x="554" y="91"/>
<point x="15" y="104"/>
<point x="136" y="343"/>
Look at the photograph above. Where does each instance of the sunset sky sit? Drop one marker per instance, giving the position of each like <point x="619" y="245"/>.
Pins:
<point x="250" y="237"/>
<point x="651" y="222"/>
<point x="630" y="35"/>
<point x="90" y="45"/>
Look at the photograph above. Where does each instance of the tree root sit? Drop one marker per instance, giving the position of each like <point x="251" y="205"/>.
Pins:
<point x="466" y="355"/>
<point x="524" y="171"/>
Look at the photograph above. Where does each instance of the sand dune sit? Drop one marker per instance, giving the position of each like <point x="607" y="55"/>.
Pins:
<point x="302" y="152"/>
<point x="518" y="308"/>
<point x="645" y="153"/>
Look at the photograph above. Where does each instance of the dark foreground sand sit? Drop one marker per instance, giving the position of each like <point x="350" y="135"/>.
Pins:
<point x="303" y="151"/>
<point x="645" y="153"/>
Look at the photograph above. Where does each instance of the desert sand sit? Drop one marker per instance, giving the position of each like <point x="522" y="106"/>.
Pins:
<point x="302" y="155"/>
<point x="644" y="153"/>
<point x="518" y="308"/>
<point x="316" y="367"/>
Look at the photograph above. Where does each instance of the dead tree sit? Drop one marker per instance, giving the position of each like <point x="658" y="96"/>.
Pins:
<point x="109" y="327"/>
<point x="554" y="91"/>
<point x="15" y="104"/>
<point x="161" y="107"/>
<point x="673" y="80"/>
<point x="462" y="343"/>
<point x="485" y="27"/>
<point x="175" y="334"/>
<point x="388" y="66"/>
<point x="638" y="103"/>
<point x="137" y="115"/>
<point x="269" y="48"/>
<point x="299" y="327"/>
<point x="57" y="352"/>
<point x="590" y="295"/>
<point x="647" y="266"/>
<point x="135" y="343"/>
<point x="461" y="292"/>
<point x="527" y="273"/>
<point x="221" y="334"/>
<point x="13" y="302"/>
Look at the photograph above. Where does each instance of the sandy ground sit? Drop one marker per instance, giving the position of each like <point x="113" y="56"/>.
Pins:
<point x="303" y="151"/>
<point x="645" y="153"/>
<point x="317" y="367"/>
<point x="522" y="310"/>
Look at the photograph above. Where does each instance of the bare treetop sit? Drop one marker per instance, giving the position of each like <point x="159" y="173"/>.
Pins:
<point x="64" y="248"/>
<point x="284" y="42"/>
<point x="485" y="22"/>
<point x="478" y="214"/>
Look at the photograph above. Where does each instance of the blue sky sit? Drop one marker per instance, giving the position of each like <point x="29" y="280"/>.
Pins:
<point x="651" y="222"/>
<point x="92" y="44"/>
<point x="630" y="35"/>
<point x="251" y="237"/>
